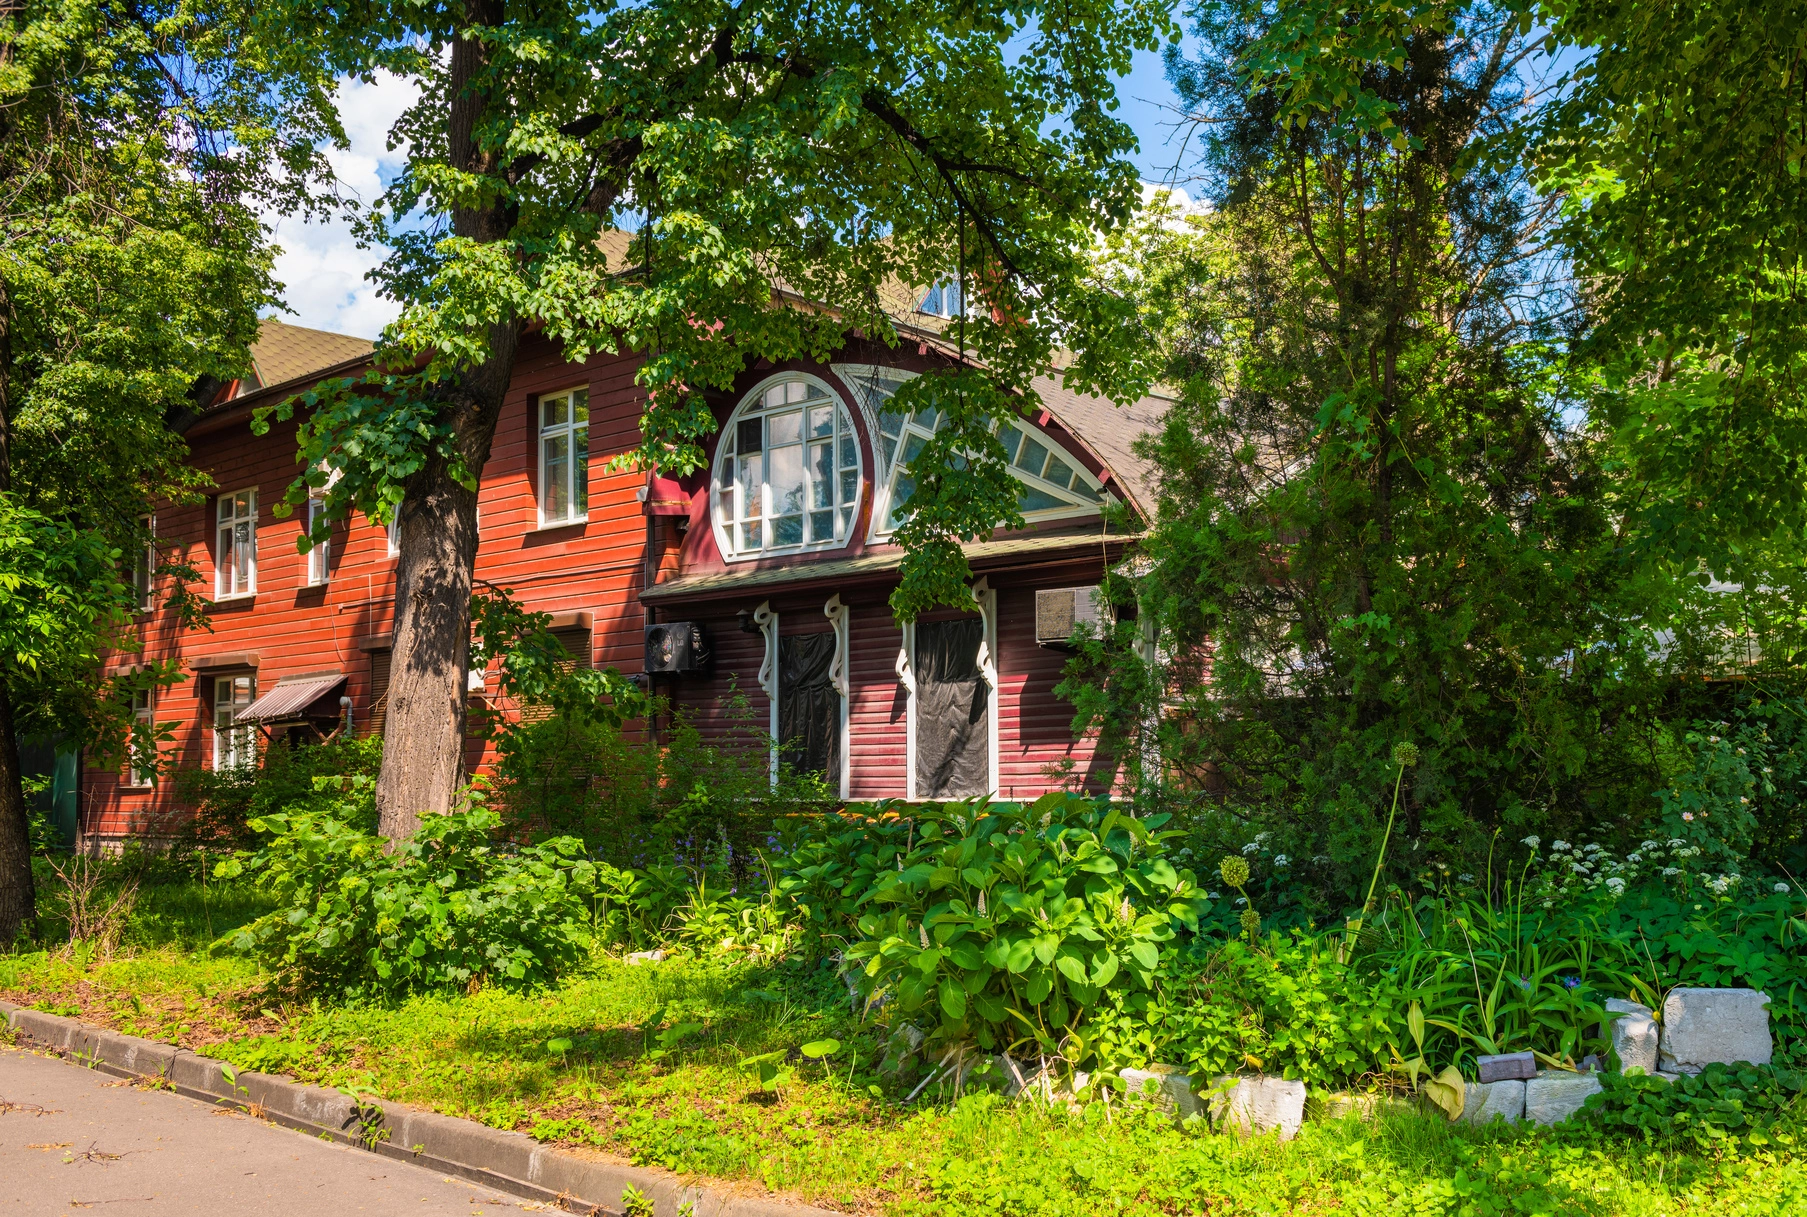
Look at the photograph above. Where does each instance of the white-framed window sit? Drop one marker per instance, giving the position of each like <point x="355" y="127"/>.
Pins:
<point x="235" y="554"/>
<point x="787" y="470"/>
<point x="394" y="532"/>
<point x="141" y="731"/>
<point x="944" y="300"/>
<point x="319" y="558"/>
<point x="144" y="570"/>
<point x="233" y="745"/>
<point x="1053" y="484"/>
<point x="564" y="457"/>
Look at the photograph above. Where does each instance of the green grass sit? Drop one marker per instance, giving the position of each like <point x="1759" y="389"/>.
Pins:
<point x="838" y="1134"/>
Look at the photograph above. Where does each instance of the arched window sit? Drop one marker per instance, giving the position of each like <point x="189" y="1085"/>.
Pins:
<point x="787" y="472"/>
<point x="1052" y="485"/>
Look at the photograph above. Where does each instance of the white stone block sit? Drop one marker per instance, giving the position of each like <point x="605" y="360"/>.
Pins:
<point x="1165" y="1087"/>
<point x="1259" y="1104"/>
<point x="1482" y="1101"/>
<point x="1706" y="1026"/>
<point x="1553" y="1098"/>
<point x="1634" y="1035"/>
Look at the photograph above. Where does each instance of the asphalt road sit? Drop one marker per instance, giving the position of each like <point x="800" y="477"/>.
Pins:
<point x="74" y="1138"/>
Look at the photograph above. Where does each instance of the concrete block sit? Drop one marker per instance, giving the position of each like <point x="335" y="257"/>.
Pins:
<point x="1164" y="1086"/>
<point x="509" y="1154"/>
<point x="1635" y="1038"/>
<point x="202" y="1074"/>
<point x="43" y="1030"/>
<point x="1337" y="1104"/>
<point x="146" y="1058"/>
<point x="1706" y="1026"/>
<point x="1483" y="1101"/>
<point x="1259" y="1104"/>
<point x="1554" y="1097"/>
<point x="1506" y="1066"/>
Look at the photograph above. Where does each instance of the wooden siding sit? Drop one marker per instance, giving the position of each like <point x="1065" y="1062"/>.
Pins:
<point x="597" y="566"/>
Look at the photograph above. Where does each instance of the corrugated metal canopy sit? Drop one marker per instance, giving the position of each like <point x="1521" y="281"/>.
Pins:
<point x="289" y="697"/>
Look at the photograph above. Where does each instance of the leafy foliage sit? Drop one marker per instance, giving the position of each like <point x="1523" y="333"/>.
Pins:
<point x="1723" y="1103"/>
<point x="447" y="907"/>
<point x="1005" y="922"/>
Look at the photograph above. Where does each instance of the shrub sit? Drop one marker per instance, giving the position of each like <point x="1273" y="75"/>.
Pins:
<point x="221" y="803"/>
<point x="1736" y="1103"/>
<point x="448" y="906"/>
<point x="1004" y="924"/>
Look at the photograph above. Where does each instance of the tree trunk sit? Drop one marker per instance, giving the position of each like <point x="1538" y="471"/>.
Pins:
<point x="18" y="894"/>
<point x="423" y="736"/>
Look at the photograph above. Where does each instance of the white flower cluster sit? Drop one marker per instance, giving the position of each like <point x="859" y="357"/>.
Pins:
<point x="1571" y="869"/>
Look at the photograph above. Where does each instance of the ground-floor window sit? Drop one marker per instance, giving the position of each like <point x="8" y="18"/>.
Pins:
<point x="233" y="745"/>
<point x="809" y="706"/>
<point x="953" y="711"/>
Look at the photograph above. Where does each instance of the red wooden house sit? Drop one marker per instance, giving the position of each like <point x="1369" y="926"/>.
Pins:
<point x="768" y="571"/>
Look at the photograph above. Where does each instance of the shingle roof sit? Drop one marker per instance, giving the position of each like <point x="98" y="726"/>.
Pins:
<point x="1110" y="431"/>
<point x="285" y="353"/>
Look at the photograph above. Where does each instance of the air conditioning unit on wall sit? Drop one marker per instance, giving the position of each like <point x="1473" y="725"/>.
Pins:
<point x="1059" y="609"/>
<point x="677" y="646"/>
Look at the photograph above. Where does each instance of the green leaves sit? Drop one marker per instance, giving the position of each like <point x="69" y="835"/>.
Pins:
<point x="1059" y="924"/>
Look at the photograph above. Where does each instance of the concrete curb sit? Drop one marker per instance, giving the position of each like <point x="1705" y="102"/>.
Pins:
<point x="509" y="1161"/>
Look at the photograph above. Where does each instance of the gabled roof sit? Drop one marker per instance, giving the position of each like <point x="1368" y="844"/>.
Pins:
<point x="1110" y="431"/>
<point x="285" y="353"/>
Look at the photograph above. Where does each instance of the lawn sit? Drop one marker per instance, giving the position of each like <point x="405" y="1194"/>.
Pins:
<point x="643" y="1061"/>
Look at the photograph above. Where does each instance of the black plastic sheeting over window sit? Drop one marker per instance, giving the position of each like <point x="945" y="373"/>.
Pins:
<point x="953" y="705"/>
<point x="809" y="706"/>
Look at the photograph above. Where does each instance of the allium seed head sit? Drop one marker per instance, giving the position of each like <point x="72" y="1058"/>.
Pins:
<point x="1405" y="755"/>
<point x="1251" y="922"/>
<point x="1235" y="870"/>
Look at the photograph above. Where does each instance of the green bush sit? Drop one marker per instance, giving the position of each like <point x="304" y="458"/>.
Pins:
<point x="1001" y="923"/>
<point x="451" y="905"/>
<point x="219" y="804"/>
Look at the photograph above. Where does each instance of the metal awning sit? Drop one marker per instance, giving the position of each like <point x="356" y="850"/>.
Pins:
<point x="289" y="697"/>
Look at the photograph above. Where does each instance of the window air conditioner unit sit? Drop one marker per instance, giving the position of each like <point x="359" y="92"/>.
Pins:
<point x="677" y="646"/>
<point x="1059" y="609"/>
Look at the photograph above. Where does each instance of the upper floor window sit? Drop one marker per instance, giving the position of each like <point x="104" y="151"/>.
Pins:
<point x="235" y="555"/>
<point x="943" y="300"/>
<point x="1051" y="483"/>
<point x="565" y="457"/>
<point x="144" y="570"/>
<point x="787" y="472"/>
<point x="319" y="558"/>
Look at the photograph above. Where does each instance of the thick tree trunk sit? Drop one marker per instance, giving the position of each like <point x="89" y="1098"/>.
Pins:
<point x="423" y="736"/>
<point x="18" y="895"/>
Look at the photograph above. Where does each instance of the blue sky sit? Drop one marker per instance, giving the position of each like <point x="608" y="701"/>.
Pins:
<point x="322" y="269"/>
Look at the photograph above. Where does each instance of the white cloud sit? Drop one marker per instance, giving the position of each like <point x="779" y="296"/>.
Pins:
<point x="320" y="266"/>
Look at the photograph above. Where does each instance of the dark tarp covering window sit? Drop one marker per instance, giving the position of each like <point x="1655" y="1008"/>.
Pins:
<point x="953" y="743"/>
<point x="809" y="706"/>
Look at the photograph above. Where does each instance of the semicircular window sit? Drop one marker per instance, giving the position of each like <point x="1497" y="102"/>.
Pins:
<point x="1053" y="485"/>
<point x="787" y="471"/>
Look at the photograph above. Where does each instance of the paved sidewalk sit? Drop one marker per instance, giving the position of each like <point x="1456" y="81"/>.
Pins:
<point x="73" y="1139"/>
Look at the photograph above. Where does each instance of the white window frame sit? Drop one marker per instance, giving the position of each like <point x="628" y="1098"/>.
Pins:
<point x="837" y="614"/>
<point x="393" y="531"/>
<point x="576" y="489"/>
<point x="144" y="570"/>
<point x="233" y="746"/>
<point x="231" y="513"/>
<point x="726" y="507"/>
<point x="986" y="597"/>
<point x="1083" y="495"/>
<point x="143" y="705"/>
<point x="767" y="621"/>
<point x="319" y="557"/>
<point x="946" y="300"/>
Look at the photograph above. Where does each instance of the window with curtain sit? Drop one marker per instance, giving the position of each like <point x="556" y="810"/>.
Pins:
<point x="235" y="551"/>
<point x="319" y="564"/>
<point x="145" y="568"/>
<point x="141" y="734"/>
<point x="564" y="457"/>
<point x="233" y="746"/>
<point x="787" y="471"/>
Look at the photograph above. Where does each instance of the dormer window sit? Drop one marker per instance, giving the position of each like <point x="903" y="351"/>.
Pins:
<point x="787" y="472"/>
<point x="943" y="300"/>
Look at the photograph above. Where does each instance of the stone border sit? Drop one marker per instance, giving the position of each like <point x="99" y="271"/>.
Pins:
<point x="509" y="1161"/>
